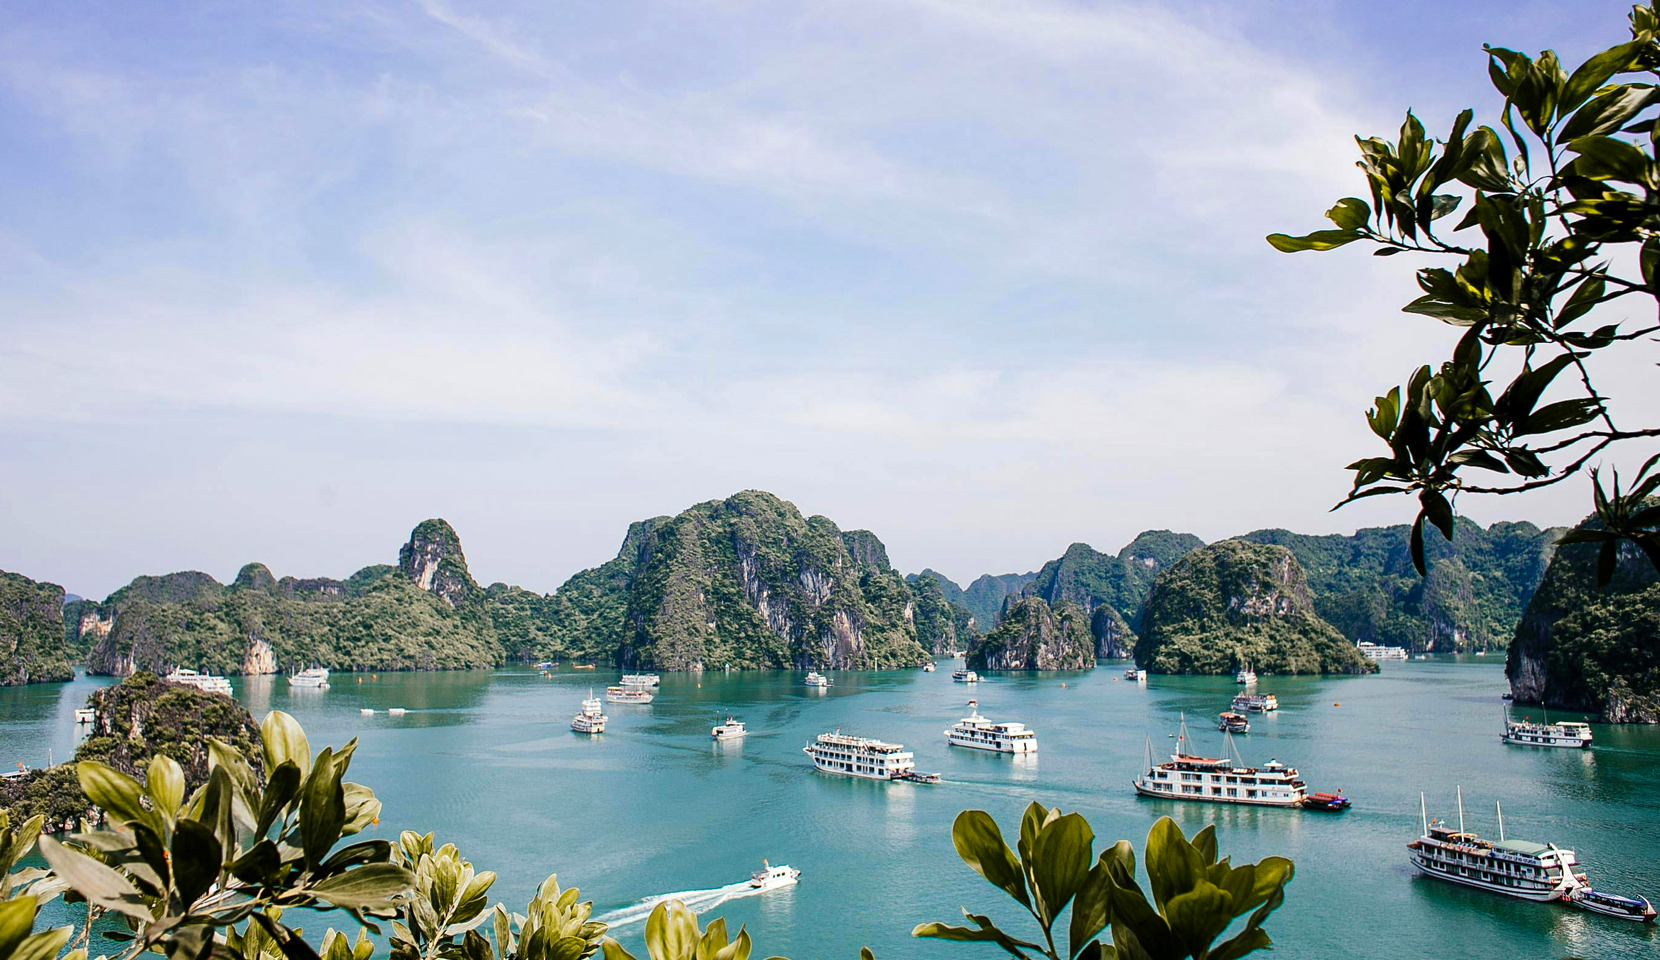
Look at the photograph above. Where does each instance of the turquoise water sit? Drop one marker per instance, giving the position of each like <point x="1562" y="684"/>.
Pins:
<point x="654" y="807"/>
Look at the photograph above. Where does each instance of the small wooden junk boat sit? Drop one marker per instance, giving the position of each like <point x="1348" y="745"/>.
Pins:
<point x="1326" y="802"/>
<point x="1229" y="722"/>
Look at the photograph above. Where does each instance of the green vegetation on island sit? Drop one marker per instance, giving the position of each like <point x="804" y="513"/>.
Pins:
<point x="1234" y="603"/>
<point x="1589" y="648"/>
<point x="1034" y="636"/>
<point x="33" y="647"/>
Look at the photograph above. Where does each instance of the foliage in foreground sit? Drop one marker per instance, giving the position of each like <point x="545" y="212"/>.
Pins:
<point x="1552" y="232"/>
<point x="209" y="876"/>
<point x="1195" y="896"/>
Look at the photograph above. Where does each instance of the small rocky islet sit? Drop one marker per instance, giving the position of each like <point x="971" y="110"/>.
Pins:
<point x="749" y="582"/>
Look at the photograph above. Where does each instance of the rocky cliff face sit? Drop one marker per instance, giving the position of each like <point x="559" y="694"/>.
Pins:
<point x="941" y="626"/>
<point x="33" y="648"/>
<point x="433" y="561"/>
<point x="1236" y="602"/>
<point x="749" y="581"/>
<point x="1478" y="585"/>
<point x="984" y="597"/>
<point x="1034" y="636"/>
<point x="1095" y="580"/>
<point x="1591" y="649"/>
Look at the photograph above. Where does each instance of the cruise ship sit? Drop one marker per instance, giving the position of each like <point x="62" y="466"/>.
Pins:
<point x="816" y="679"/>
<point x="1529" y="734"/>
<point x="1213" y="780"/>
<point x="1380" y="652"/>
<point x="1513" y="868"/>
<point x="629" y="694"/>
<point x="860" y="757"/>
<point x="978" y="733"/>
<point x="1255" y="703"/>
<point x="205" y="682"/>
<point x="591" y="719"/>
<point x="641" y="680"/>
<point x="1245" y="675"/>
<point x="965" y="676"/>
<point x="314" y="677"/>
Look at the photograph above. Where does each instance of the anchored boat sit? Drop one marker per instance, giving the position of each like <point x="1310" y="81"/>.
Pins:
<point x="965" y="676"/>
<point x="314" y="677"/>
<point x="1526" y="733"/>
<point x="816" y="679"/>
<point x="1610" y="905"/>
<point x="641" y="680"/>
<point x="1255" y="703"/>
<point x="205" y="682"/>
<point x="1326" y="802"/>
<point x="1513" y="868"/>
<point x="629" y="694"/>
<point x="1229" y="722"/>
<point x="1245" y="675"/>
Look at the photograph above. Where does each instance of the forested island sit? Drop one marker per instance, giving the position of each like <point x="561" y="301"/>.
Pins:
<point x="751" y="583"/>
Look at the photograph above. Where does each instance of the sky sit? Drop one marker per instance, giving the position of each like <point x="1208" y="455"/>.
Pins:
<point x="280" y="280"/>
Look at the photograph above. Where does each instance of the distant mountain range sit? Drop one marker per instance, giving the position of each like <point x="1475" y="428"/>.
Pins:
<point x="750" y="582"/>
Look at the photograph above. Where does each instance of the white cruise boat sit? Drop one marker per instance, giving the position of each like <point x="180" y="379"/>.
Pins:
<point x="85" y="715"/>
<point x="1256" y="703"/>
<point x="641" y="680"/>
<point x="965" y="676"/>
<point x="628" y="694"/>
<point x="978" y="733"/>
<point x="816" y="679"/>
<point x="314" y="677"/>
<point x="860" y="757"/>
<point x="929" y="667"/>
<point x="732" y="729"/>
<point x="1380" y="652"/>
<point x="1514" y="868"/>
<point x="205" y="682"/>
<point x="1214" y="780"/>
<point x="1528" y="734"/>
<point x="1245" y="675"/>
<point x="591" y="718"/>
<point x="770" y="877"/>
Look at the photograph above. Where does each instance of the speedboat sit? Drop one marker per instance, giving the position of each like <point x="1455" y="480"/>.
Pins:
<point x="770" y="877"/>
<point x="1610" y="905"/>
<point x="732" y="729"/>
<point x="314" y="677"/>
<point x="965" y="676"/>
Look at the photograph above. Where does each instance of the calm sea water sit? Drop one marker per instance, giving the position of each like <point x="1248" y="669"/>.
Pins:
<point x="653" y="807"/>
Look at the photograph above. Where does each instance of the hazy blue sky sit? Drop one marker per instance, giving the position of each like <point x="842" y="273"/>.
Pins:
<point x="279" y="280"/>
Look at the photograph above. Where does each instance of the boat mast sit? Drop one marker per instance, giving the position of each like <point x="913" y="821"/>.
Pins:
<point x="1461" y="809"/>
<point x="1500" y="809"/>
<point x="1423" y="812"/>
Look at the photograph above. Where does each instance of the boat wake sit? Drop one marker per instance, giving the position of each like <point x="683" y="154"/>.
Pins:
<point x="697" y="901"/>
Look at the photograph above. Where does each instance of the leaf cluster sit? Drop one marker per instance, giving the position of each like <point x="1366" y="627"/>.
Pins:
<point x="1563" y="187"/>
<point x="1195" y="896"/>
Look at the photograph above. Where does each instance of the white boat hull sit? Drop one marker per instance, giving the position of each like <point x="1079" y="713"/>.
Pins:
<point x="853" y="773"/>
<point x="1531" y="741"/>
<point x="1294" y="801"/>
<point x="1015" y="747"/>
<point x="1544" y="895"/>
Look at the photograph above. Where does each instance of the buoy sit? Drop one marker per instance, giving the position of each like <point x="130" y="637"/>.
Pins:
<point x="359" y="679"/>
<point x="1337" y="704"/>
<point x="1063" y="684"/>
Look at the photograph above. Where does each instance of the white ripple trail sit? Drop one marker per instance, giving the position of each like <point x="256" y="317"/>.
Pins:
<point x="697" y="901"/>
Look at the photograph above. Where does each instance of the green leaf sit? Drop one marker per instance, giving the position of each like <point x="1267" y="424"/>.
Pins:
<point x="281" y="787"/>
<point x="1563" y="414"/>
<point x="1061" y="856"/>
<point x="17" y="918"/>
<point x="1604" y="158"/>
<point x="1173" y="865"/>
<point x="44" y="946"/>
<point x="259" y="865"/>
<point x="1438" y="510"/>
<point x="1318" y="240"/>
<point x="1415" y="542"/>
<point x="94" y="880"/>
<point x="284" y="740"/>
<point x="1091" y="908"/>
<point x="322" y="808"/>
<point x="365" y="887"/>
<point x="196" y="859"/>
<point x="1605" y="115"/>
<point x="671" y="931"/>
<point x="987" y="932"/>
<point x="1585" y="297"/>
<point x="1205" y="842"/>
<point x="980" y="844"/>
<point x="1198" y="916"/>
<point x="1595" y="72"/>
<point x="1249" y="940"/>
<point x="164" y="782"/>
<point x="113" y="792"/>
<point x="614" y="950"/>
<point x="1350" y="213"/>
